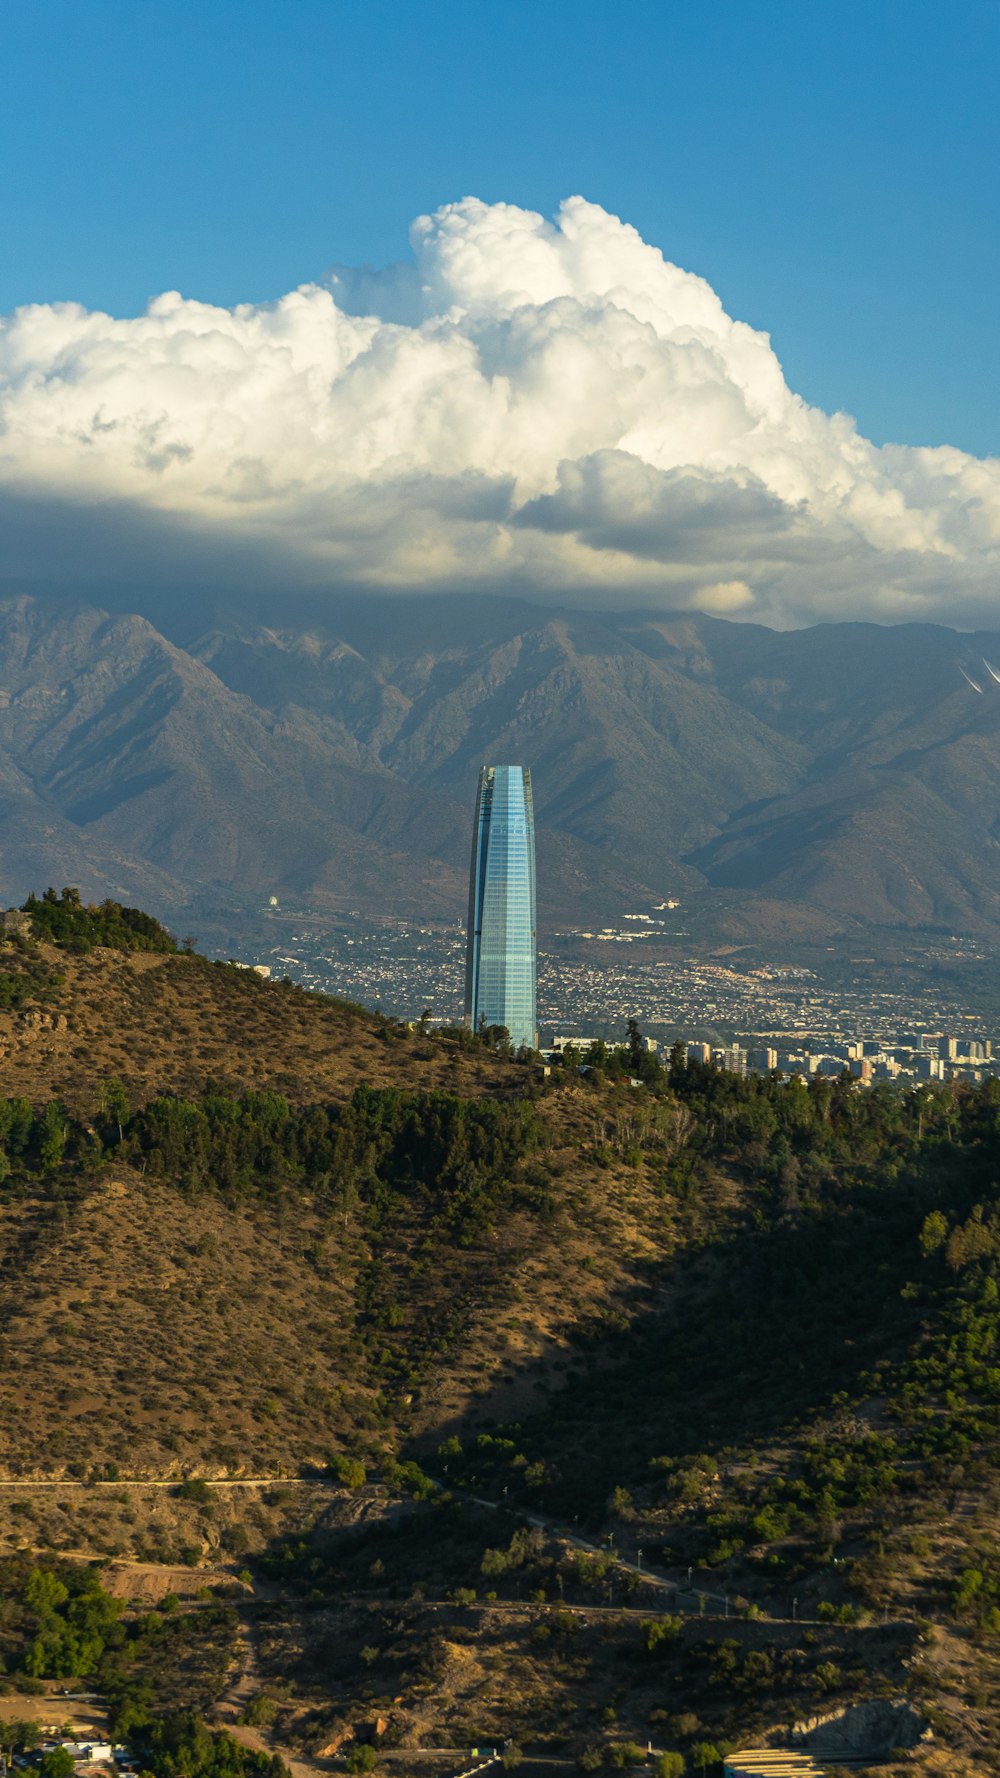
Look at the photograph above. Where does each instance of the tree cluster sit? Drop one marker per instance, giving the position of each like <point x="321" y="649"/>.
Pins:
<point x="67" y="921"/>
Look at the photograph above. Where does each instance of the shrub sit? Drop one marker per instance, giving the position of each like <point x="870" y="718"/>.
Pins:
<point x="626" y="1753"/>
<point x="350" y="1472"/>
<point x="659" y="1634"/>
<point x="361" y="1758"/>
<point x="193" y="1490"/>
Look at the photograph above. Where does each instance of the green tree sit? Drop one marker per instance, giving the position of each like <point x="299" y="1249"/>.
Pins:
<point x="669" y="1765"/>
<point x="114" y="1105"/>
<point x="261" y="1711"/>
<point x="933" y="1234"/>
<point x="44" y="1591"/>
<point x="362" y="1757"/>
<point x="677" y="1063"/>
<point x="53" y="1133"/>
<point x="20" y="1735"/>
<point x="64" y="920"/>
<point x="705" y="1754"/>
<point x="57" y="1763"/>
<point x="661" y="1633"/>
<point x="621" y="1503"/>
<point x="350" y="1472"/>
<point x="686" y="1724"/>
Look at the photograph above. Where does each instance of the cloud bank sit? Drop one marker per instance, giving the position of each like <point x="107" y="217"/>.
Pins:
<point x="525" y="405"/>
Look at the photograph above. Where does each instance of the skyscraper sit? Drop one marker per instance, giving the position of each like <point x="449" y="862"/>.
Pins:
<point x="500" y="960"/>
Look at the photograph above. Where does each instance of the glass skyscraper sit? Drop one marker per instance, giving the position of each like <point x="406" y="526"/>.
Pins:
<point x="500" y="961"/>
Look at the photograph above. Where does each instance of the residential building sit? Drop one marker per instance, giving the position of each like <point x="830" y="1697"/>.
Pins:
<point x="763" y="1060"/>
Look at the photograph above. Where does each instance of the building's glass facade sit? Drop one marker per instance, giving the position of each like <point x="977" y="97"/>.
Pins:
<point x="500" y="962"/>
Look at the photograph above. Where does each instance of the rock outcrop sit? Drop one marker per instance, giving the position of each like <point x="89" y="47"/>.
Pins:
<point x="868" y="1730"/>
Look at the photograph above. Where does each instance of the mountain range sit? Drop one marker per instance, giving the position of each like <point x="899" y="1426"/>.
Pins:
<point x="820" y="781"/>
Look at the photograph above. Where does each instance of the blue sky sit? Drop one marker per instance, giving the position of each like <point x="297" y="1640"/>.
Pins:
<point x="831" y="169"/>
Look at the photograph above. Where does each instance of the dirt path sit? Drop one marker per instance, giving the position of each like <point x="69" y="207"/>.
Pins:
<point x="296" y="1763"/>
<point x="245" y="1682"/>
<point x="174" y="1481"/>
<point x="245" y="1685"/>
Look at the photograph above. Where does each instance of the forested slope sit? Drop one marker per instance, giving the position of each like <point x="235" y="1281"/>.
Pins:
<point x="746" y="1327"/>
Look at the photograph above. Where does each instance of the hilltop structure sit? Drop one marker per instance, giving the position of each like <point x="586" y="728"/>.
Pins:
<point x="500" y="959"/>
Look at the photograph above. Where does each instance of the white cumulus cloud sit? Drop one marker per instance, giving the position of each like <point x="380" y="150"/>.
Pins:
<point x="524" y="404"/>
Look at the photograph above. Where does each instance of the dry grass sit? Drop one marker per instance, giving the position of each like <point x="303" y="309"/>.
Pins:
<point x="162" y="1335"/>
<point x="172" y="1023"/>
<point x="173" y="1335"/>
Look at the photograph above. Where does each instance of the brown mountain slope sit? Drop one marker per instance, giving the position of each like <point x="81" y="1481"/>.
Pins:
<point x="149" y="1331"/>
<point x="709" y="1316"/>
<point x="848" y="770"/>
<point x="627" y="754"/>
<point x="173" y="1023"/>
<point x="140" y="768"/>
<point x="152" y="774"/>
<point x="173" y="1334"/>
<point x="889" y="844"/>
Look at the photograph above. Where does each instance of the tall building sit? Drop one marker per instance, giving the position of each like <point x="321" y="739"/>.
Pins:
<point x="500" y="960"/>
<point x="763" y="1060"/>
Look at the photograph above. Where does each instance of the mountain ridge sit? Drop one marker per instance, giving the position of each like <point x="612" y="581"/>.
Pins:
<point x="330" y="754"/>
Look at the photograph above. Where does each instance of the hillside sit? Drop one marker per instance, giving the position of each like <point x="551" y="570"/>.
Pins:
<point x="171" y="1023"/>
<point x="559" y="1409"/>
<point x="201" y="756"/>
<point x="114" y="1031"/>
